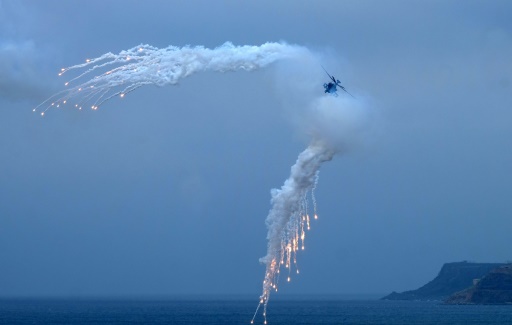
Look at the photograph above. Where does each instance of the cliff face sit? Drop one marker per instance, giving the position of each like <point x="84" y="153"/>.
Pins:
<point x="452" y="278"/>
<point x="493" y="288"/>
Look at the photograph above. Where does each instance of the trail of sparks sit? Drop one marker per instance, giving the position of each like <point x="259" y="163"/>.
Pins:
<point x="116" y="75"/>
<point x="288" y="219"/>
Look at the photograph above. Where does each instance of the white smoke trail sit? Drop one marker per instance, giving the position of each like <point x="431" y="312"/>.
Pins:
<point x="331" y="122"/>
<point x="287" y="202"/>
<point x="336" y="124"/>
<point x="148" y="65"/>
<point x="288" y="219"/>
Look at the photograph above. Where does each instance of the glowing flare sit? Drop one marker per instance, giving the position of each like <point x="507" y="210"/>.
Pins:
<point x="119" y="74"/>
<point x="148" y="65"/>
<point x="288" y="219"/>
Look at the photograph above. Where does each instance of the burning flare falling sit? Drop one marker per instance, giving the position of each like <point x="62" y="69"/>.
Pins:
<point x="148" y="65"/>
<point x="116" y="75"/>
<point x="288" y="219"/>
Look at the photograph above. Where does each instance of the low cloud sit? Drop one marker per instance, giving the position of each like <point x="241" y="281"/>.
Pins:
<point x="21" y="74"/>
<point x="22" y="63"/>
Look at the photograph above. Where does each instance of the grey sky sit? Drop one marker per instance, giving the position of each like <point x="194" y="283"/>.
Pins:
<point x="166" y="192"/>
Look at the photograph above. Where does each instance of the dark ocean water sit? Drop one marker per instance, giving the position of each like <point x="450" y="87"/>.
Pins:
<point x="240" y="311"/>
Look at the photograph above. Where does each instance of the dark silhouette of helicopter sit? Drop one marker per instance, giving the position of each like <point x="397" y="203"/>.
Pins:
<point x="330" y="88"/>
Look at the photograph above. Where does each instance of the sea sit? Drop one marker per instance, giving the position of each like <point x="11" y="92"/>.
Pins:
<point x="240" y="310"/>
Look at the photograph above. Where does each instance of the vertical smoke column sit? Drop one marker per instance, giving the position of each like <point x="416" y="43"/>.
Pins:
<point x="288" y="218"/>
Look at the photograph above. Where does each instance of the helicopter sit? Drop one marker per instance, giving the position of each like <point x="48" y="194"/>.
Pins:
<point x="330" y="88"/>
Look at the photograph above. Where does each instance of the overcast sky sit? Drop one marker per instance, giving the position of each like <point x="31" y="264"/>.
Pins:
<point x="166" y="192"/>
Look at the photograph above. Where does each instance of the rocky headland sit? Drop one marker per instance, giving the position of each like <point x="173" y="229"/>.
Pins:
<point x="493" y="288"/>
<point x="456" y="278"/>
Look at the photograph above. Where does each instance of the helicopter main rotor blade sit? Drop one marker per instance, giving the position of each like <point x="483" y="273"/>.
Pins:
<point x="327" y="72"/>
<point x="343" y="88"/>
<point x="346" y="91"/>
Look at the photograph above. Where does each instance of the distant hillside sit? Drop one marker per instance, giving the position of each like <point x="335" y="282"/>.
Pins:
<point x="493" y="288"/>
<point x="452" y="278"/>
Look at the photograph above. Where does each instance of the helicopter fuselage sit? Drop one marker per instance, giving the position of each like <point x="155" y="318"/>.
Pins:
<point x="330" y="88"/>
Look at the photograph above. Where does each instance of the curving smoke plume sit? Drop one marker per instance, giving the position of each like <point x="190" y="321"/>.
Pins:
<point x="147" y="65"/>
<point x="333" y="124"/>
